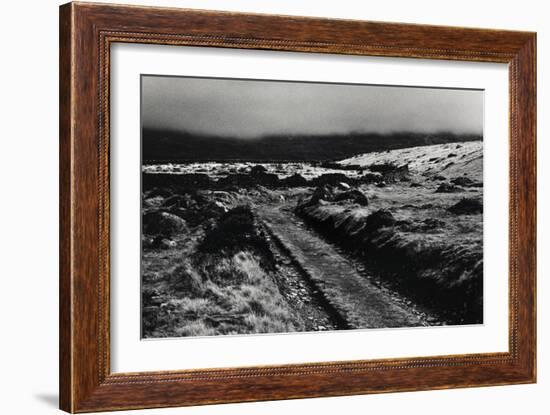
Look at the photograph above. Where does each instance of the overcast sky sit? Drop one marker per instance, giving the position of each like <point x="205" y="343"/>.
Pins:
<point x="250" y="108"/>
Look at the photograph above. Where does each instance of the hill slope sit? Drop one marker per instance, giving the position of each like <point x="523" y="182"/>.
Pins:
<point x="175" y="146"/>
<point x="451" y="159"/>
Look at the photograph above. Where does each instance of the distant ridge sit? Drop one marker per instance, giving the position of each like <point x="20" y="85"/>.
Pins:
<point x="175" y="146"/>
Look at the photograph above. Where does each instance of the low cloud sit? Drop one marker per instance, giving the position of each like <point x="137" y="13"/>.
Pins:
<point x="251" y="108"/>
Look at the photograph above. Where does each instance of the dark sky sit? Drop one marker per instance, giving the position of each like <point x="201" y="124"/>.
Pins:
<point x="249" y="108"/>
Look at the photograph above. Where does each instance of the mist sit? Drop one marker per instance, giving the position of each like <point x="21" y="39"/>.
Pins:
<point x="249" y="109"/>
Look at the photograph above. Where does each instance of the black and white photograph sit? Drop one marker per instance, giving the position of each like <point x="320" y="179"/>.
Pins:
<point x="274" y="206"/>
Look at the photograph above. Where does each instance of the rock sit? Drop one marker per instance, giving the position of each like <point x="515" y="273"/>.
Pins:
<point x="238" y="180"/>
<point x="178" y="201"/>
<point x="383" y="167"/>
<point x="381" y="184"/>
<point x="438" y="177"/>
<point x="221" y="206"/>
<point x="448" y="188"/>
<point x="163" y="224"/>
<point x="146" y="242"/>
<point x="152" y="202"/>
<point x="391" y="172"/>
<point x="371" y="177"/>
<point x="466" y="182"/>
<point x="400" y="173"/>
<point x="414" y="184"/>
<point x="159" y="192"/>
<point x="185" y="279"/>
<point x="162" y="243"/>
<point x="320" y="193"/>
<point x="332" y="179"/>
<point x="258" y="169"/>
<point x="267" y="179"/>
<point x="467" y="206"/>
<point x="432" y="223"/>
<point x="193" y="180"/>
<point x="462" y="181"/>
<point x="355" y="196"/>
<point x="379" y="219"/>
<point x="296" y="180"/>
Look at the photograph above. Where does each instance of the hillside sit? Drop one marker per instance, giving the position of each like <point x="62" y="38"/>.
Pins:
<point x="443" y="159"/>
<point x="422" y="229"/>
<point x="173" y="146"/>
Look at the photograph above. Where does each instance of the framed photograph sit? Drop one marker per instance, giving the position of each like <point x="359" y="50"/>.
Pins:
<point x="258" y="207"/>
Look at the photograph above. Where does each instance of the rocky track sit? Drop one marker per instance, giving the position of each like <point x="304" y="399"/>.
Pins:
<point x="354" y="300"/>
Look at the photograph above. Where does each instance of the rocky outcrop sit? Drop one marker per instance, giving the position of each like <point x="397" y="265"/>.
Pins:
<point x="354" y="196"/>
<point x="163" y="224"/>
<point x="332" y="179"/>
<point x="296" y="180"/>
<point x="448" y="188"/>
<point x="467" y="206"/>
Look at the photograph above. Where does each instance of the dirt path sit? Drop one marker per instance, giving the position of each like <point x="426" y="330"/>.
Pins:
<point x="300" y="293"/>
<point x="360" y="303"/>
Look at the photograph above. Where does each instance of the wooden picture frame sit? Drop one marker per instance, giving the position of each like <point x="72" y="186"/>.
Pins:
<point x="86" y="33"/>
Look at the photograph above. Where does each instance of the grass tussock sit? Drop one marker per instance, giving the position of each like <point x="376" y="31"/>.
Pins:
<point x="234" y="232"/>
<point x="224" y="288"/>
<point x="438" y="261"/>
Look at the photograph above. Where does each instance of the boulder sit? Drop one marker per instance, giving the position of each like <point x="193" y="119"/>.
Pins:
<point x="465" y="181"/>
<point x="400" y="173"/>
<point x="267" y="179"/>
<point x="177" y="201"/>
<point x="448" y="188"/>
<point x="158" y="192"/>
<point x="355" y="196"/>
<point x="332" y="179"/>
<point x="163" y="224"/>
<point x="391" y="172"/>
<point x="258" y="169"/>
<point x="160" y="242"/>
<point x="462" y="181"/>
<point x="238" y="180"/>
<point x="467" y="206"/>
<point x="321" y="193"/>
<point x="296" y="180"/>
<point x="383" y="167"/>
<point x="371" y="177"/>
<point x="379" y="219"/>
<point x="195" y="180"/>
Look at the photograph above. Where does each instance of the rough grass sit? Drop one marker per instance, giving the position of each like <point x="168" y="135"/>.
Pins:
<point x="436" y="260"/>
<point x="216" y="278"/>
<point x="236" y="231"/>
<point x="220" y="295"/>
<point x="432" y="248"/>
